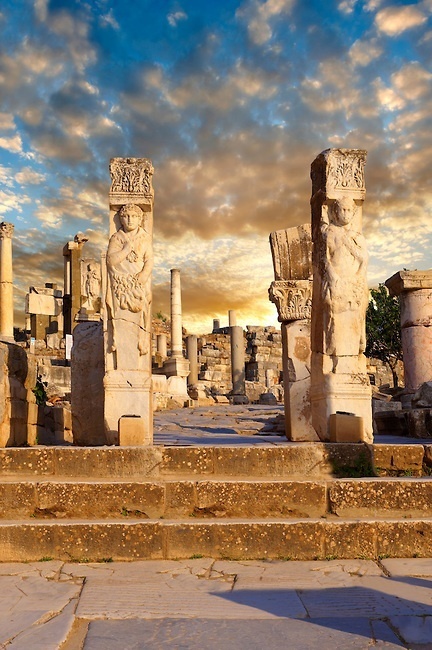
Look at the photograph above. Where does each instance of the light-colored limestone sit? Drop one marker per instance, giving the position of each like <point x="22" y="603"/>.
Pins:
<point x="291" y="292"/>
<point x="91" y="286"/>
<point x="192" y="355"/>
<point x="176" y="315"/>
<point x="414" y="289"/>
<point x="128" y="296"/>
<point x="238" y="363"/>
<point x="339" y="381"/>
<point x="6" y="283"/>
<point x="161" y="345"/>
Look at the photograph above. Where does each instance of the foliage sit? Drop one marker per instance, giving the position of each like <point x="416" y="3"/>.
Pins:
<point x="383" y="335"/>
<point x="40" y="392"/>
<point x="161" y="316"/>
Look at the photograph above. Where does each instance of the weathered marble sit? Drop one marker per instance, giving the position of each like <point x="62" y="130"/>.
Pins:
<point x="192" y="355"/>
<point x="127" y="297"/>
<point x="291" y="292"/>
<point x="72" y="252"/>
<point x="6" y="283"/>
<point x="340" y="294"/>
<point x="176" y="315"/>
<point x="414" y="289"/>
<point x="238" y="364"/>
<point x="91" y="286"/>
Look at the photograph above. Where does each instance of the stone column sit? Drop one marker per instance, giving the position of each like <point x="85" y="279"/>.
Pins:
<point x="216" y="324"/>
<point x="339" y="380"/>
<point x="161" y="345"/>
<point x="291" y="292"/>
<point x="232" y="318"/>
<point x="72" y="252"/>
<point x="238" y="365"/>
<point x="176" y="315"/>
<point x="176" y="367"/>
<point x="6" y="283"/>
<point x="192" y="355"/>
<point x="127" y="293"/>
<point x="414" y="289"/>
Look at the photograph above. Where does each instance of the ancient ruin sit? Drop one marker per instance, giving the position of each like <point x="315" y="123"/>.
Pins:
<point x="291" y="292"/>
<point x="127" y="297"/>
<point x="6" y="283"/>
<point x="339" y="381"/>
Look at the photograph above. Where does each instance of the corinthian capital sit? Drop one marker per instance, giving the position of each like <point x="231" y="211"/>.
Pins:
<point x="6" y="230"/>
<point x="293" y="299"/>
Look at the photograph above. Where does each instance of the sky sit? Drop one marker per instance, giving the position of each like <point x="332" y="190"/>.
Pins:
<point x="231" y="100"/>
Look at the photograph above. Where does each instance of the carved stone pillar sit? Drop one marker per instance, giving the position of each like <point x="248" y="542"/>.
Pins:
<point x="6" y="283"/>
<point x="340" y="295"/>
<point x="414" y="289"/>
<point x="291" y="292"/>
<point x="127" y="296"/>
<point x="161" y="345"/>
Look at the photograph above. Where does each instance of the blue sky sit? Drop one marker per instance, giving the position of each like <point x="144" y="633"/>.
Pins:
<point x="231" y="100"/>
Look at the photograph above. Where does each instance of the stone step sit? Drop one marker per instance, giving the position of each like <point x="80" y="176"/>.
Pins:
<point x="249" y="499"/>
<point x="235" y="539"/>
<point x="299" y="460"/>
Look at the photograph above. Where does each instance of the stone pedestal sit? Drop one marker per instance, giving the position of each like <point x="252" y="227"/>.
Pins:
<point x="291" y="292"/>
<point x="6" y="283"/>
<point x="232" y="318"/>
<point x="127" y="292"/>
<point x="414" y="289"/>
<point x="339" y="381"/>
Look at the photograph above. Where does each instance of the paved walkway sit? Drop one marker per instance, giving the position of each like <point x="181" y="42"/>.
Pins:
<point x="211" y="604"/>
<point x="251" y="424"/>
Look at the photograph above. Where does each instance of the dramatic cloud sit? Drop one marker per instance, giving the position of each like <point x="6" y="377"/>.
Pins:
<point x="395" y="20"/>
<point x="231" y="101"/>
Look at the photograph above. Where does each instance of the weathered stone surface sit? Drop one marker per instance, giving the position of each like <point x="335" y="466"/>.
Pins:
<point x="419" y="423"/>
<point x="339" y="382"/>
<point x="180" y="461"/>
<point x="399" y="458"/>
<point x="374" y="497"/>
<point x="87" y="391"/>
<point x="404" y="538"/>
<point x="127" y="316"/>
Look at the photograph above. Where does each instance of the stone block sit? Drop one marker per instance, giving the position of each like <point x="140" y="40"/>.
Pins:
<point x="419" y="423"/>
<point x="378" y="497"/>
<point x="180" y="499"/>
<point x="107" y="462"/>
<point x="99" y="500"/>
<point x="17" y="500"/>
<point x="398" y="458"/>
<point x="131" y="430"/>
<point x="404" y="538"/>
<point x="349" y="540"/>
<point x="29" y="462"/>
<point x="393" y="423"/>
<point x="273" y="499"/>
<point x="186" y="461"/>
<point x="346" y="428"/>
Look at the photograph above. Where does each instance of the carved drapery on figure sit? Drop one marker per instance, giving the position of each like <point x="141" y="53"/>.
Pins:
<point x="91" y="285"/>
<point x="293" y="299"/>
<point x="344" y="283"/>
<point x="129" y="264"/>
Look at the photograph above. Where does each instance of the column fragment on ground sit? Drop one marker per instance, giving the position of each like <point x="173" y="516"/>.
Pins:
<point x="291" y="292"/>
<point x="339" y="381"/>
<point x="127" y="297"/>
<point x="6" y="283"/>
<point x="414" y="289"/>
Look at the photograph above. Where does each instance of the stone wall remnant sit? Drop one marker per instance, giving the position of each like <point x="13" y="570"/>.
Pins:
<point x="291" y="292"/>
<point x="339" y="380"/>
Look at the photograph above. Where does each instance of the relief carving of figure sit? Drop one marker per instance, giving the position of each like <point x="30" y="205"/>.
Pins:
<point x="129" y="264"/>
<point x="344" y="287"/>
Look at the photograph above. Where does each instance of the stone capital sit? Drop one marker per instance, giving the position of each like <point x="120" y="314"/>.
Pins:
<point x="293" y="299"/>
<point x="339" y="172"/>
<point x="131" y="182"/>
<point x="408" y="281"/>
<point x="6" y="230"/>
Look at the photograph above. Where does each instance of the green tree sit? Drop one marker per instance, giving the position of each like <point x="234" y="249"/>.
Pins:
<point x="383" y="336"/>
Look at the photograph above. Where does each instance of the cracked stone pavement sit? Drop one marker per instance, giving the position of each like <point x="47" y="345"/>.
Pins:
<point x="212" y="604"/>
